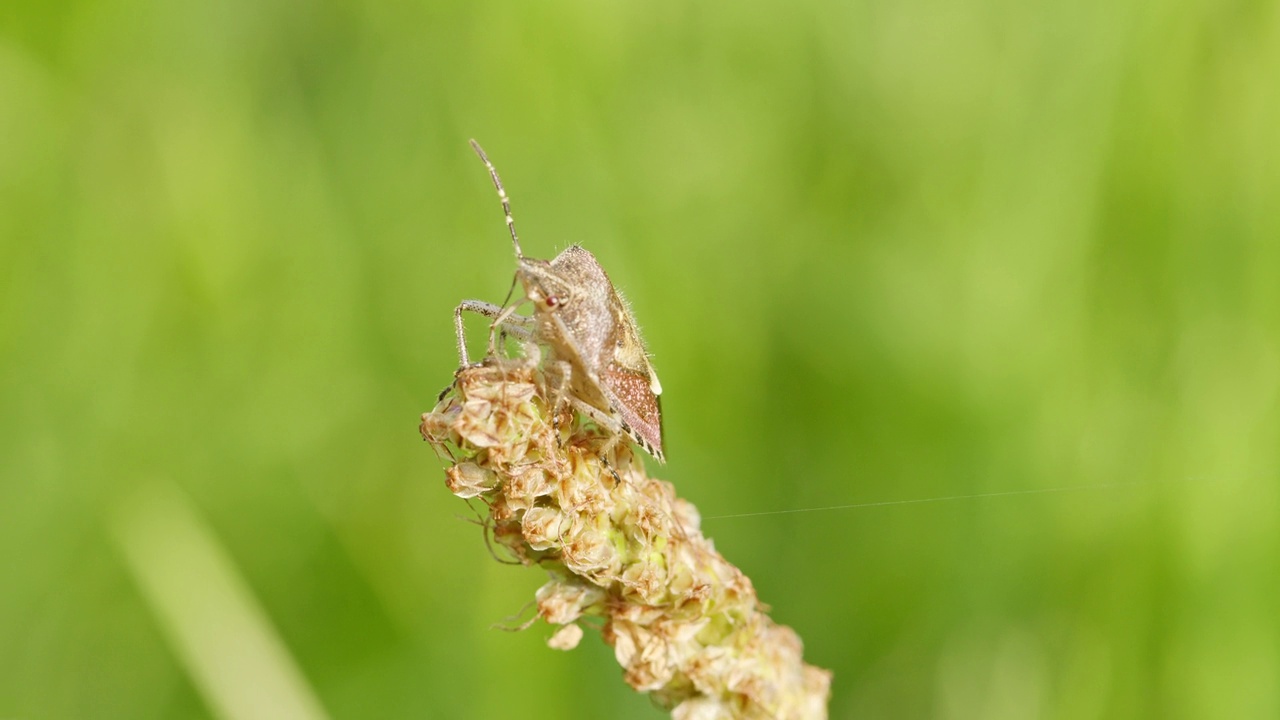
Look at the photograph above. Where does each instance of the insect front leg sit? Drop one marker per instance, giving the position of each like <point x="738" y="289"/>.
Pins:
<point x="517" y="325"/>
<point x="521" y="326"/>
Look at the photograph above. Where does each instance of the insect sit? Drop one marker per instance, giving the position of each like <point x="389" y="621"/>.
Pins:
<point x="595" y="347"/>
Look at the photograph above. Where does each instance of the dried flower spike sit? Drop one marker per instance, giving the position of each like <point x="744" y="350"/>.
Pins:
<point x="685" y="625"/>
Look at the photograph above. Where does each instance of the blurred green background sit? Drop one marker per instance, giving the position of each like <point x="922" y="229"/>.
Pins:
<point x="880" y="251"/>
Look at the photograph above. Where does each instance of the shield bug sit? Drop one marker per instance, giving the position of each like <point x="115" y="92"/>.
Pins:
<point x="595" y="350"/>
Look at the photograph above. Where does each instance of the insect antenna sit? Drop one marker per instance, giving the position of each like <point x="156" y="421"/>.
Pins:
<point x="502" y="195"/>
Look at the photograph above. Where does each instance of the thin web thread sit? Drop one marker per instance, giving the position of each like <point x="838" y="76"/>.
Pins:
<point x="945" y="498"/>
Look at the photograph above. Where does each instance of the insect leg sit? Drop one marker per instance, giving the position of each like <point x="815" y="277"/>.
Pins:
<point x="506" y="321"/>
<point x="557" y="373"/>
<point x="505" y="316"/>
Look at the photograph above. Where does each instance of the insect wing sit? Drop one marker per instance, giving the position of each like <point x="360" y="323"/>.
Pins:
<point x="631" y="396"/>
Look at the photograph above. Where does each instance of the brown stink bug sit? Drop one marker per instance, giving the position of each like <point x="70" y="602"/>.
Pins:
<point x="594" y="343"/>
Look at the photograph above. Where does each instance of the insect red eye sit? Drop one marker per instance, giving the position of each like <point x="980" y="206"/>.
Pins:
<point x="552" y="301"/>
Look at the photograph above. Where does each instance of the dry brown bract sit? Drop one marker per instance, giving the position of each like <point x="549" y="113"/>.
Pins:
<point x="685" y="625"/>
